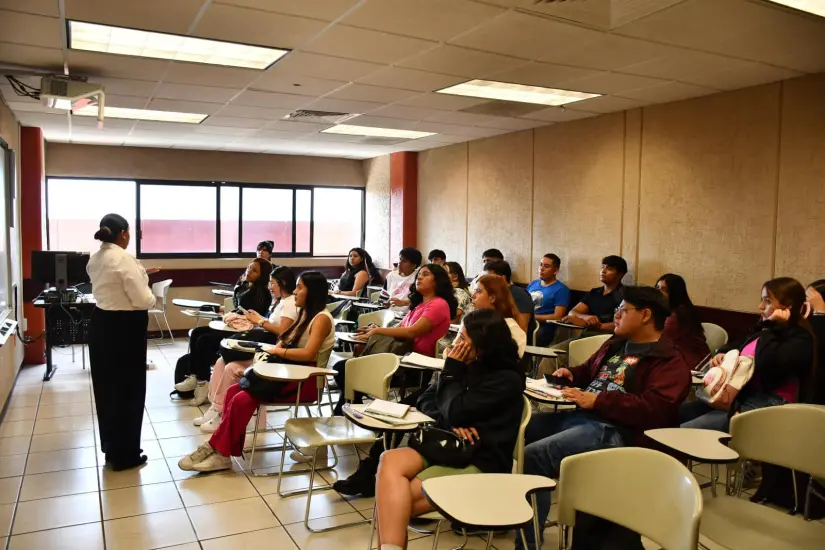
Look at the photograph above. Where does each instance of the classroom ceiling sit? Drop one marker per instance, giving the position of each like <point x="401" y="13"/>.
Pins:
<point x="383" y="59"/>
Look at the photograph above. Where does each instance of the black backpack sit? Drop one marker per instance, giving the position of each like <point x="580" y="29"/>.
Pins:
<point x="182" y="370"/>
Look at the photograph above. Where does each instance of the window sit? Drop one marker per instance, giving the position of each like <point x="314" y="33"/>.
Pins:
<point x="74" y="208"/>
<point x="206" y="219"/>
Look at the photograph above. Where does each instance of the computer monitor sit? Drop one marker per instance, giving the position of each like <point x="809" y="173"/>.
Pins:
<point x="61" y="269"/>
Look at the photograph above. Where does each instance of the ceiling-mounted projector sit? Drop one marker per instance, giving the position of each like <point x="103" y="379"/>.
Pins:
<point x="75" y="95"/>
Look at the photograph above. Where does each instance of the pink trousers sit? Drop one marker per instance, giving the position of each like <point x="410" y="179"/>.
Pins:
<point x="223" y="376"/>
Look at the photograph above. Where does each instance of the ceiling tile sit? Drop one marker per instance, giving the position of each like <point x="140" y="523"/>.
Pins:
<point x="125" y="86"/>
<point x="382" y="122"/>
<point x="90" y="139"/>
<point x="278" y="134"/>
<point x="607" y="52"/>
<point x="263" y="113"/>
<point x="270" y="99"/>
<point x="18" y="54"/>
<point x="681" y="64"/>
<point x="407" y="113"/>
<point x="376" y="94"/>
<point x="155" y="143"/>
<point x="176" y="17"/>
<point x="323" y="66"/>
<point x="20" y="104"/>
<point x="206" y="94"/>
<point x="558" y="114"/>
<point x="39" y="7"/>
<point x="31" y="30"/>
<point x="670" y="91"/>
<point x="429" y="19"/>
<point x="525" y="36"/>
<point x="445" y="102"/>
<point x="223" y="130"/>
<point x="184" y="106"/>
<point x="231" y="122"/>
<point x="409" y="79"/>
<point x="296" y="84"/>
<point x="126" y="101"/>
<point x="87" y="123"/>
<point x="744" y="75"/>
<point x="512" y="123"/>
<point x="453" y="60"/>
<point x="210" y="75"/>
<point x="611" y="83"/>
<point x="605" y="104"/>
<point x="248" y="26"/>
<point x="142" y="127"/>
<point x="115" y="66"/>
<point x="464" y="119"/>
<point x="592" y="12"/>
<point x="543" y="74"/>
<point x="327" y="10"/>
<point x="366" y="45"/>
<point x="343" y="105"/>
<point x="296" y="127"/>
<point x="456" y="129"/>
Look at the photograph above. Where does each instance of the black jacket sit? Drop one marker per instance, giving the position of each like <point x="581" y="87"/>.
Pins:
<point x="252" y="297"/>
<point x="817" y="393"/>
<point x="484" y="398"/>
<point x="783" y="353"/>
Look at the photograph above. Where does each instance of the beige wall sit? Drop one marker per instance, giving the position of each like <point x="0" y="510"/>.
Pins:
<point x="11" y="354"/>
<point x="727" y="190"/>
<point x="377" y="219"/>
<point x="64" y="159"/>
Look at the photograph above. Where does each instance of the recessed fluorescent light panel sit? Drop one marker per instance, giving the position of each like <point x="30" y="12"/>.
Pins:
<point x="143" y="114"/>
<point x="118" y="40"/>
<point x="505" y="91"/>
<point x="816" y="7"/>
<point x="351" y="130"/>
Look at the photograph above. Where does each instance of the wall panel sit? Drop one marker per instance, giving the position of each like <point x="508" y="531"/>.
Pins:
<point x="377" y="224"/>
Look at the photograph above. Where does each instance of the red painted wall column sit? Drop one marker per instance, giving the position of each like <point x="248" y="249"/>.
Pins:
<point x="403" y="202"/>
<point x="31" y="229"/>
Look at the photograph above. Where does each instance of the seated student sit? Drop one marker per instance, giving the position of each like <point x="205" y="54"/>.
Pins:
<point x="814" y="294"/>
<point x="308" y="341"/>
<point x="460" y="290"/>
<point x="595" y="311"/>
<point x="551" y="298"/>
<point x="230" y="367"/>
<point x="264" y="250"/>
<point x="400" y="280"/>
<point x="359" y="272"/>
<point x="432" y="305"/>
<point x="252" y="294"/>
<point x="782" y="348"/>
<point x="489" y="255"/>
<point x="479" y="398"/>
<point x="525" y="317"/>
<point x="683" y="327"/>
<point x="437" y="257"/>
<point x="633" y="383"/>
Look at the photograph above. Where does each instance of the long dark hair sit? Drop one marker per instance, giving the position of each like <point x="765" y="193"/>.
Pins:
<point x="443" y="289"/>
<point x="366" y="263"/>
<point x="492" y="340"/>
<point x="455" y="269"/>
<point x="285" y="278"/>
<point x="316" y="302"/>
<point x="680" y="303"/>
<point x="111" y="226"/>
<point x="790" y="293"/>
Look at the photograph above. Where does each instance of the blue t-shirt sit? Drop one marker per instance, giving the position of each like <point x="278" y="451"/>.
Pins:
<point x="546" y="298"/>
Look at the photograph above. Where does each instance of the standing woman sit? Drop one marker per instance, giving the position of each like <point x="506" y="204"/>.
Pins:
<point x="117" y="342"/>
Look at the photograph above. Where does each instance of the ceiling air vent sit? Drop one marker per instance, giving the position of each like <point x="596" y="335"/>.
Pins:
<point x="324" y="117"/>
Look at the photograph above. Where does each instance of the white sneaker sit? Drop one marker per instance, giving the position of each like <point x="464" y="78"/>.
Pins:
<point x="305" y="455"/>
<point x="201" y="394"/>
<point x="211" y="426"/>
<point x="189" y="383"/>
<point x="207" y="416"/>
<point x="203" y="452"/>
<point x="215" y="461"/>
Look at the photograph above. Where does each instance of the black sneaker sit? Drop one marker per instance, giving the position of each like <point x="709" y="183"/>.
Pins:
<point x="362" y="482"/>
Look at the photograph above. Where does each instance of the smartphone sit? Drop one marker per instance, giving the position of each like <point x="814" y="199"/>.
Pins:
<point x="560" y="381"/>
<point x="242" y="310"/>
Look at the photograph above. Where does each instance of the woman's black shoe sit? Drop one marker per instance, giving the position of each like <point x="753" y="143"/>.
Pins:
<point x="125" y="465"/>
<point x="362" y="482"/>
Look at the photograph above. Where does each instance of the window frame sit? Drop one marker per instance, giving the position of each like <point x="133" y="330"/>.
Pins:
<point x="217" y="186"/>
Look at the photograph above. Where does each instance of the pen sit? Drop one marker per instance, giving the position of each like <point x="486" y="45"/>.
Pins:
<point x="353" y="412"/>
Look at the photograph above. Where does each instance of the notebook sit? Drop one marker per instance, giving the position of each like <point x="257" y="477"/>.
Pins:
<point x="387" y="408"/>
<point x="418" y="360"/>
<point x="542" y="387"/>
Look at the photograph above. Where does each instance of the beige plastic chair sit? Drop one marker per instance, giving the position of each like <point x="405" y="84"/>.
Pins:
<point x="582" y="349"/>
<point x="789" y="436"/>
<point x="228" y="305"/>
<point x="341" y="314"/>
<point x="382" y="318"/>
<point x="375" y="296"/>
<point x="161" y="290"/>
<point x="370" y="375"/>
<point x="715" y="336"/>
<point x="646" y="491"/>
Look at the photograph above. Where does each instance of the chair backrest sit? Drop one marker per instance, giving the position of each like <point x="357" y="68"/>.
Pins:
<point x="161" y="289"/>
<point x="648" y="492"/>
<point x="370" y="374"/>
<point x="581" y="349"/>
<point x="228" y="305"/>
<point x="382" y="318"/>
<point x="715" y="336"/>
<point x="788" y="435"/>
<point x="518" y="451"/>
<point x="375" y="296"/>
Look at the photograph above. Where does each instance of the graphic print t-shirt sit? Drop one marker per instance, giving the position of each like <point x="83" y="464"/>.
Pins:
<point x="614" y="371"/>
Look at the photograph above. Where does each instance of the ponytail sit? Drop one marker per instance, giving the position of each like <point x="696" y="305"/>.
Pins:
<point x="111" y="226"/>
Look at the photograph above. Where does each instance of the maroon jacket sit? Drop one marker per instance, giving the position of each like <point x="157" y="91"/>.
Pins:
<point x="688" y="338"/>
<point x="655" y="387"/>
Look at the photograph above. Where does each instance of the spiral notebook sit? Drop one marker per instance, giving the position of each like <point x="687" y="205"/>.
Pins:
<point x="379" y="407"/>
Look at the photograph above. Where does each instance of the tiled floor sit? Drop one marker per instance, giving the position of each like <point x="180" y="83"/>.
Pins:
<point x="55" y="493"/>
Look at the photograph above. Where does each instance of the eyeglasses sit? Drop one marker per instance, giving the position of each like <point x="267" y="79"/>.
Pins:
<point x="622" y="310"/>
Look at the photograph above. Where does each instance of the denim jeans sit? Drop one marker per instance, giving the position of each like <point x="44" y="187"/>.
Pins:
<point x="550" y="437"/>
<point x="700" y="415"/>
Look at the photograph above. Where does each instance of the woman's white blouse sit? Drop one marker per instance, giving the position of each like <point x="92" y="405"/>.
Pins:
<point x="119" y="282"/>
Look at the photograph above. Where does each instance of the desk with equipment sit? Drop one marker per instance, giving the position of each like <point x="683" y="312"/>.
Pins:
<point x="67" y="310"/>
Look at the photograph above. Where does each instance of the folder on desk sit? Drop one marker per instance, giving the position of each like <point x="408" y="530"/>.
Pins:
<point x="379" y="407"/>
<point x="542" y="387"/>
<point x="418" y="360"/>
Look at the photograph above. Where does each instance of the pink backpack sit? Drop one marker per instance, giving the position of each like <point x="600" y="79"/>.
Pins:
<point x="723" y="383"/>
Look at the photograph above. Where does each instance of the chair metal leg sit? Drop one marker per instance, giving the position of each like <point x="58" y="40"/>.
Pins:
<point x="564" y="535"/>
<point x="489" y="540"/>
<point x="436" y="535"/>
<point x="523" y="539"/>
<point x="254" y="441"/>
<point x="536" y="532"/>
<point x="309" y="500"/>
<point x="373" y="524"/>
<point x="714" y="478"/>
<point x="171" y="336"/>
<point x="795" y="509"/>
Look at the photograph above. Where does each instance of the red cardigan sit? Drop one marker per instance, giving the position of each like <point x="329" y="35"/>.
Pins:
<point x="689" y="340"/>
